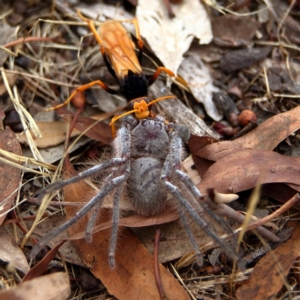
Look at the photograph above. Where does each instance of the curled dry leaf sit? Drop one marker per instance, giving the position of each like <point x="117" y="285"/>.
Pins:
<point x="265" y="137"/>
<point x="269" y="274"/>
<point x="133" y="275"/>
<point x="10" y="176"/>
<point x="170" y="38"/>
<point x="245" y="168"/>
<point x="53" y="286"/>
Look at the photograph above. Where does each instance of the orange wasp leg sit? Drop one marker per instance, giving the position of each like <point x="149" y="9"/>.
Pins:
<point x="135" y="22"/>
<point x="158" y="71"/>
<point x="81" y="89"/>
<point x="92" y="27"/>
<point x="93" y="30"/>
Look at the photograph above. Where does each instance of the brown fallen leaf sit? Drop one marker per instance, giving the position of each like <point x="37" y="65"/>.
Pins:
<point x="53" y="286"/>
<point x="234" y="31"/>
<point x="53" y="133"/>
<point x="41" y="267"/>
<point x="11" y="253"/>
<point x="10" y="176"/>
<point x="98" y="130"/>
<point x="271" y="132"/>
<point x="265" y="137"/>
<point x="133" y="276"/>
<point x="246" y="168"/>
<point x="269" y="273"/>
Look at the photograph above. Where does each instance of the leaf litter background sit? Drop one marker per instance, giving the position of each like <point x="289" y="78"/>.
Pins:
<point x="232" y="61"/>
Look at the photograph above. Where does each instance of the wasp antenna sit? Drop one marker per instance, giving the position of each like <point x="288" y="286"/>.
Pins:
<point x="116" y="118"/>
<point x="160" y="99"/>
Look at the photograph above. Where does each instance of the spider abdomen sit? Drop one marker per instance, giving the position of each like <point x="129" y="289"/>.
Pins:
<point x="145" y="190"/>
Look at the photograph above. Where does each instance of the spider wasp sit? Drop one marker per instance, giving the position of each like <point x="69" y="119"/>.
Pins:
<point x="118" y="50"/>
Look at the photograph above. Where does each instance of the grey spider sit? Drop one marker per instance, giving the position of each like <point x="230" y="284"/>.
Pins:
<point x="148" y="153"/>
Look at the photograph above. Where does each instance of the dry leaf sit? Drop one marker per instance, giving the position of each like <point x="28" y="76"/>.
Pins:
<point x="133" y="275"/>
<point x="6" y="36"/>
<point x="53" y="154"/>
<point x="169" y="38"/>
<point x="10" y="176"/>
<point x="198" y="79"/>
<point x="271" y="132"/>
<point x="174" y="242"/>
<point x="97" y="130"/>
<point x="11" y="78"/>
<point x="269" y="273"/>
<point x="11" y="253"/>
<point x="230" y="30"/>
<point x="53" y="133"/>
<point x="265" y="137"/>
<point x="53" y="286"/>
<point x="245" y="168"/>
<point x="109" y="11"/>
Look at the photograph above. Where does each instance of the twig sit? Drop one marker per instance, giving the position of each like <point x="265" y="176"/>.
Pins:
<point x="290" y="203"/>
<point x="28" y="39"/>
<point x="156" y="266"/>
<point x="226" y="211"/>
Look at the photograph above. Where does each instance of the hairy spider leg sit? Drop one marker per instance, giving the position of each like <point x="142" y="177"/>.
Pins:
<point x="114" y="230"/>
<point x="187" y="182"/>
<point x="197" y="195"/>
<point x="172" y="160"/>
<point x="91" y="222"/>
<point x="110" y="184"/>
<point x="98" y="199"/>
<point x="114" y="162"/>
<point x="125" y="143"/>
<point x="186" y="226"/>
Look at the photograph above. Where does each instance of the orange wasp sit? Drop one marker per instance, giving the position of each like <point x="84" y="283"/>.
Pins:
<point x="119" y="55"/>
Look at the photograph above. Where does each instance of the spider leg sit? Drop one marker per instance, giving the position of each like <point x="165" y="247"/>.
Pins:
<point x="123" y="151"/>
<point x="122" y="144"/>
<point x="205" y="227"/>
<point x="106" y="189"/>
<point x="190" y="235"/>
<point x="171" y="166"/>
<point x="197" y="195"/>
<point x="82" y="175"/>
<point x="91" y="222"/>
<point x="114" y="230"/>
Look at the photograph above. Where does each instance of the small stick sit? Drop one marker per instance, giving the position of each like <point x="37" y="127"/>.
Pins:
<point x="276" y="213"/>
<point x="156" y="266"/>
<point x="28" y="39"/>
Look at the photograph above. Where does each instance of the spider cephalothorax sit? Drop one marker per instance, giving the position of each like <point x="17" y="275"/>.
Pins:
<point x="147" y="168"/>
